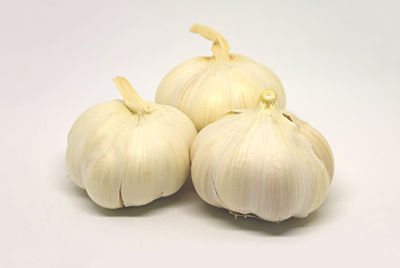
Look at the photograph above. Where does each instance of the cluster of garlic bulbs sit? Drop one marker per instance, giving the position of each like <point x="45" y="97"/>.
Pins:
<point x="250" y="157"/>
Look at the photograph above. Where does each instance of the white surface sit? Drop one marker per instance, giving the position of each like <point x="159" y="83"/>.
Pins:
<point x="339" y="62"/>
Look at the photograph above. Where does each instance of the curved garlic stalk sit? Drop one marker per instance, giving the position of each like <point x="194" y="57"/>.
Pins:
<point x="220" y="47"/>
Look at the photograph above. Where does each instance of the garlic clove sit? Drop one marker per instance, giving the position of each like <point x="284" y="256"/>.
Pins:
<point x="83" y="136"/>
<point x="146" y="161"/>
<point x="318" y="142"/>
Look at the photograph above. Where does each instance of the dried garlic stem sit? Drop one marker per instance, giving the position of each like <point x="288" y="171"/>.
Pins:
<point x="131" y="98"/>
<point x="220" y="47"/>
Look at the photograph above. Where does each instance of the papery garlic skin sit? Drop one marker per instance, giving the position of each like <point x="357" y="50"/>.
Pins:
<point x="205" y="88"/>
<point x="258" y="162"/>
<point x="131" y="152"/>
<point x="318" y="142"/>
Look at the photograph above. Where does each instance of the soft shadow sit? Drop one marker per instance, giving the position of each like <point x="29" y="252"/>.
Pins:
<point x="290" y="226"/>
<point x="332" y="209"/>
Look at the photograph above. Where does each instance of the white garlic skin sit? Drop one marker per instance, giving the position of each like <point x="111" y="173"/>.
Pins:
<point x="258" y="162"/>
<point x="129" y="158"/>
<point x="205" y="88"/>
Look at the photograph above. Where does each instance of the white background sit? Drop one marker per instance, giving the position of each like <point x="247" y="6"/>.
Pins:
<point x="338" y="60"/>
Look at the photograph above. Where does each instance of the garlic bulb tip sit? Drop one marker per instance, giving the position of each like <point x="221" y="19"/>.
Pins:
<point x="268" y="98"/>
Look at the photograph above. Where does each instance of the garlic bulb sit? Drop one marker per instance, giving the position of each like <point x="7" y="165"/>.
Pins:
<point x="128" y="153"/>
<point x="205" y="88"/>
<point x="262" y="162"/>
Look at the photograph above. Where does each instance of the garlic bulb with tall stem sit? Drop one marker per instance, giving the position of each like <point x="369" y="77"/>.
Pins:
<point x="262" y="162"/>
<point x="205" y="88"/>
<point x="130" y="152"/>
